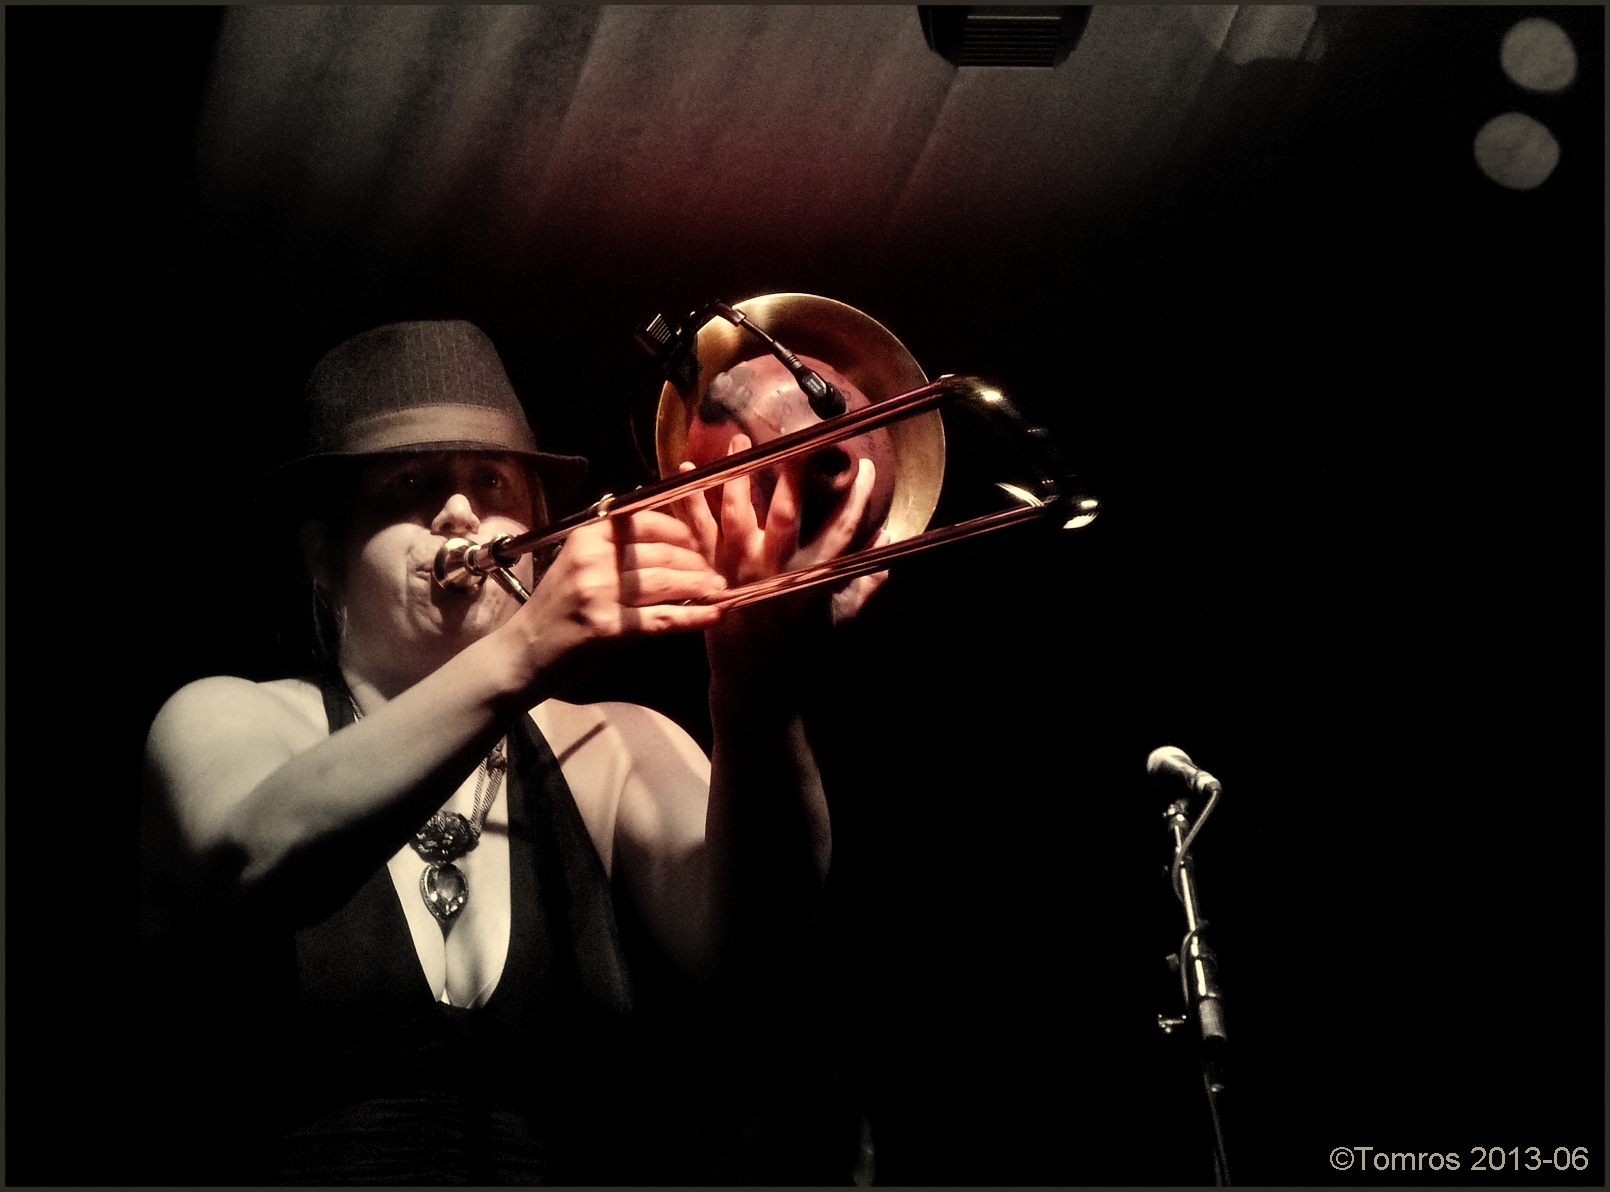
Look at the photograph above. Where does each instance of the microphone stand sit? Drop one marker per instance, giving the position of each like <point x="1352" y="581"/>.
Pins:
<point x="1198" y="970"/>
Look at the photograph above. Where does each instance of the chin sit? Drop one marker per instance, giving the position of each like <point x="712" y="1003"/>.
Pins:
<point x="469" y="617"/>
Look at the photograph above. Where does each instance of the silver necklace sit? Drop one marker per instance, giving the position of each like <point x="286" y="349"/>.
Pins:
<point x="447" y="836"/>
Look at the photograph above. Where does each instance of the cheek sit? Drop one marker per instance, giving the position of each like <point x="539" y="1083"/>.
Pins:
<point x="381" y="568"/>
<point x="514" y="521"/>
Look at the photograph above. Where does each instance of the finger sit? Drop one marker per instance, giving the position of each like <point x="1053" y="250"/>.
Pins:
<point x="635" y="556"/>
<point x="650" y="525"/>
<point x="869" y="584"/>
<point x="737" y="506"/>
<point x="852" y="598"/>
<point x="664" y="585"/>
<point x="782" y="521"/>
<point x="841" y="527"/>
<point x="863" y="586"/>
<point x="680" y="508"/>
<point x="698" y="516"/>
<point x="669" y="618"/>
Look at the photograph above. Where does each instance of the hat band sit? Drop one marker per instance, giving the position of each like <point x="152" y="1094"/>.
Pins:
<point x="420" y="426"/>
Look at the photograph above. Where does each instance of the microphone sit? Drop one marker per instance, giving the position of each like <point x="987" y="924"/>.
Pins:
<point x="1195" y="962"/>
<point x="1171" y="765"/>
<point x="675" y="352"/>
<point x="824" y="396"/>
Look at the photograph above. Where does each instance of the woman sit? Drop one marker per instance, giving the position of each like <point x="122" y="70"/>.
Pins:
<point x="442" y="843"/>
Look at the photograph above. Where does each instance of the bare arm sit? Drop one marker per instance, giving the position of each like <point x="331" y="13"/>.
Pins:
<point x="723" y="862"/>
<point x="748" y="882"/>
<point x="267" y="802"/>
<point x="770" y="839"/>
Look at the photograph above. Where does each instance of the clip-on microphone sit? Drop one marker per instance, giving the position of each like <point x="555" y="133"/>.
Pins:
<point x="675" y="357"/>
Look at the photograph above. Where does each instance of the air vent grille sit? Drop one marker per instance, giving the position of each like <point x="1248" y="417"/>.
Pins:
<point x="994" y="35"/>
<point x="1009" y="41"/>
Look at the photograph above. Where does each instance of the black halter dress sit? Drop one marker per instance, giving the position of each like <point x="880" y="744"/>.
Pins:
<point x="387" y="1085"/>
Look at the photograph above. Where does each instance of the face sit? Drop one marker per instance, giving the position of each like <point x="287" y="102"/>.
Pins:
<point x="404" y="507"/>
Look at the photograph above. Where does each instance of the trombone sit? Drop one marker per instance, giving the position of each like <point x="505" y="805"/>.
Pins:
<point x="861" y="350"/>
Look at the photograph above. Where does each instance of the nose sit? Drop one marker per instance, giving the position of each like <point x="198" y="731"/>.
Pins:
<point x="456" y="517"/>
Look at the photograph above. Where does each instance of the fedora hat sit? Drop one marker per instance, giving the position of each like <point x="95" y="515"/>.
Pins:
<point x="417" y="387"/>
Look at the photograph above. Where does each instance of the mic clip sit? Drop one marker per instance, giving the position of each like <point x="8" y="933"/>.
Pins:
<point x="673" y="351"/>
<point x="676" y="357"/>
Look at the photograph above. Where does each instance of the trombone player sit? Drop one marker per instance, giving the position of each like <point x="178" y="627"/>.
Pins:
<point x="430" y="869"/>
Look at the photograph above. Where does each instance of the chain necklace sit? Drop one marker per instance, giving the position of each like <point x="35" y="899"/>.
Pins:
<point x="447" y="836"/>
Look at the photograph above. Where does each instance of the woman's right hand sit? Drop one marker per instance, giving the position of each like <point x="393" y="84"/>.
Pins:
<point x="613" y="580"/>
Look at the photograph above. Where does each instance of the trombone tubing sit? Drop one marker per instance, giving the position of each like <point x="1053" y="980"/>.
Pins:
<point x="865" y="562"/>
<point x="483" y="558"/>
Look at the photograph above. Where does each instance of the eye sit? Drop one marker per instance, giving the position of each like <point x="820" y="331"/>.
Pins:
<point x="500" y="488"/>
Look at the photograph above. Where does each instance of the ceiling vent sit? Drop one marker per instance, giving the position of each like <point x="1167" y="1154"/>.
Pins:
<point x="1003" y="35"/>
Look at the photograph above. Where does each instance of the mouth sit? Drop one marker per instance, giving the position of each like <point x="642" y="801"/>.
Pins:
<point x="467" y="584"/>
<point x="446" y="569"/>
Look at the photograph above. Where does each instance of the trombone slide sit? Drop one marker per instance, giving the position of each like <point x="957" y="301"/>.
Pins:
<point x="460" y="562"/>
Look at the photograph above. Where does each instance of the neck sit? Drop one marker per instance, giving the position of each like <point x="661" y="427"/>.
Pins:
<point x="365" y="694"/>
<point x="374" y="683"/>
<point x="383" y="655"/>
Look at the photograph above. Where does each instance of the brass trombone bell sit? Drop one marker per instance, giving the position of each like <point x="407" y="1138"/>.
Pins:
<point x="855" y="344"/>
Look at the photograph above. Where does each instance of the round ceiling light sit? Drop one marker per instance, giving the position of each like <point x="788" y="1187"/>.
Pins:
<point x="1516" y="151"/>
<point x="1538" y="56"/>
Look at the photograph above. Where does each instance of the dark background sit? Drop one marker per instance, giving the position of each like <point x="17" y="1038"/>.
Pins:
<point x="1341" y="397"/>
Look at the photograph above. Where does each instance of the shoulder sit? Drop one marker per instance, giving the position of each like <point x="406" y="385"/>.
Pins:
<point x="663" y="781"/>
<point x="640" y="781"/>
<point x="288" y="708"/>
<point x="642" y="785"/>
<point x="646" y="739"/>
<point x="215" y="739"/>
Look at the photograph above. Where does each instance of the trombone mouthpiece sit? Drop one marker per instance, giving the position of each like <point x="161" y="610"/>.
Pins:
<point x="452" y="569"/>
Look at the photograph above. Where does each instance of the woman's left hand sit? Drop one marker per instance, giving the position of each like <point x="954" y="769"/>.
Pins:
<point x="742" y="551"/>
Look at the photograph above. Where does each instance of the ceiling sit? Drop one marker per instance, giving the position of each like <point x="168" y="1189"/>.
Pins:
<point x="559" y="173"/>
<point x="524" y="136"/>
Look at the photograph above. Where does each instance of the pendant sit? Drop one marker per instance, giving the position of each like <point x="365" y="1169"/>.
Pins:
<point x="444" y="890"/>
<point x="446" y="836"/>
